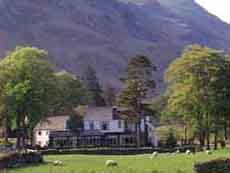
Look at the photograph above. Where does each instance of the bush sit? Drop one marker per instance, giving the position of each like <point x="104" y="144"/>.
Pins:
<point x="3" y="142"/>
<point x="222" y="144"/>
<point x="167" y="137"/>
<point x="20" y="159"/>
<point x="214" y="166"/>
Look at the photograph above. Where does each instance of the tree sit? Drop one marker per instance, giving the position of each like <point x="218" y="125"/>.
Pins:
<point x="198" y="89"/>
<point x="70" y="92"/>
<point x="110" y="94"/>
<point x="138" y="85"/>
<point x="93" y="86"/>
<point x="27" y="89"/>
<point x="75" y="122"/>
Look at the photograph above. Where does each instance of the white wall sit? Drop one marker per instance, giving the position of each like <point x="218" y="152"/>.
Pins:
<point x="42" y="139"/>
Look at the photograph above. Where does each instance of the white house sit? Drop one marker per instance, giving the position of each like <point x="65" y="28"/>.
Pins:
<point x="102" y="126"/>
<point x="43" y="129"/>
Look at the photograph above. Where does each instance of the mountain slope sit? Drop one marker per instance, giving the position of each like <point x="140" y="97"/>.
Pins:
<point x="106" y="33"/>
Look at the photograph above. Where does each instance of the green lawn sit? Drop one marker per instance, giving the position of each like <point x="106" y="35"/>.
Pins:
<point x="163" y="163"/>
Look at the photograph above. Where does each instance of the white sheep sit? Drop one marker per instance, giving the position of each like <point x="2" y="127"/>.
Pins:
<point x="31" y="151"/>
<point x="208" y="152"/>
<point x="188" y="152"/>
<point x="154" y="154"/>
<point x="177" y="151"/>
<point x="57" y="163"/>
<point x="111" y="163"/>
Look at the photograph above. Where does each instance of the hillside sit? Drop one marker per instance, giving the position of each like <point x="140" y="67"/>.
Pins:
<point x="105" y="33"/>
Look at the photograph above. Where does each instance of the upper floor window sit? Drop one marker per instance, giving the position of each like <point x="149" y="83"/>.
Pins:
<point x="104" y="126"/>
<point x="119" y="124"/>
<point x="39" y="133"/>
<point x="91" y="125"/>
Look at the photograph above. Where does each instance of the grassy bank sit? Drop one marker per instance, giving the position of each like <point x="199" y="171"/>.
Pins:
<point x="163" y="163"/>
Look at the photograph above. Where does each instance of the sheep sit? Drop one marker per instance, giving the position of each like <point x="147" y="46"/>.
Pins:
<point x="188" y="152"/>
<point x="57" y="163"/>
<point x="31" y="151"/>
<point x="177" y="151"/>
<point x="154" y="154"/>
<point x="111" y="163"/>
<point x="208" y="152"/>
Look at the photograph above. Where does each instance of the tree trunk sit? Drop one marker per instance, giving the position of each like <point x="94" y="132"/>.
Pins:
<point x="201" y="131"/>
<point x="6" y="129"/>
<point x="138" y="134"/>
<point x="185" y="135"/>
<point x="216" y="132"/>
<point x="23" y="134"/>
<point x="146" y="134"/>
<point x="226" y="131"/>
<point x="215" y="139"/>
<point x="18" y="124"/>
<point x="207" y="133"/>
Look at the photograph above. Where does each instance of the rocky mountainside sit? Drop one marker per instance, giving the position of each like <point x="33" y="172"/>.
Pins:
<point x="106" y="33"/>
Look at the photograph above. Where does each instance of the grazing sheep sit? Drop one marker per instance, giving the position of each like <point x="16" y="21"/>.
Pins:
<point x="188" y="152"/>
<point x="57" y="163"/>
<point x="154" y="154"/>
<point x="208" y="152"/>
<point x="31" y="151"/>
<point x="177" y="151"/>
<point x="111" y="163"/>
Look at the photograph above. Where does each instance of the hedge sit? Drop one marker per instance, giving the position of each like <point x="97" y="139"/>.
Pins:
<point x="20" y="159"/>
<point x="221" y="165"/>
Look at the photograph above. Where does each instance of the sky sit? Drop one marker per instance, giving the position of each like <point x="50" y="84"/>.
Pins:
<point x="220" y="8"/>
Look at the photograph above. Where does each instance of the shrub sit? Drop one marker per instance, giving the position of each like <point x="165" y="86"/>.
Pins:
<point x="167" y="137"/>
<point x="171" y="140"/>
<point x="20" y="159"/>
<point x="3" y="142"/>
<point x="222" y="144"/>
<point x="214" y="166"/>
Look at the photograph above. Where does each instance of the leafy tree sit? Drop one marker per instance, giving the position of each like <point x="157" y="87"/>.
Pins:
<point x="27" y="88"/>
<point x="75" y="122"/>
<point x="110" y="94"/>
<point x="70" y="92"/>
<point x="198" y="89"/>
<point x="138" y="85"/>
<point x="93" y="86"/>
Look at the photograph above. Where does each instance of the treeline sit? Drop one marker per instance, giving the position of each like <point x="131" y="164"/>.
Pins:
<point x="198" y="95"/>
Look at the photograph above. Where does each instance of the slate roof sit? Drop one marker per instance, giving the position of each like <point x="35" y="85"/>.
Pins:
<point x="98" y="114"/>
<point x="57" y="123"/>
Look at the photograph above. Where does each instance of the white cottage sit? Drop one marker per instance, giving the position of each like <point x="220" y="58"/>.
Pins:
<point x="102" y="126"/>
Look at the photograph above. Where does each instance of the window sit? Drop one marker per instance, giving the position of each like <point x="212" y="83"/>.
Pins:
<point x="91" y="125"/>
<point x="39" y="133"/>
<point x="119" y="124"/>
<point x="104" y="126"/>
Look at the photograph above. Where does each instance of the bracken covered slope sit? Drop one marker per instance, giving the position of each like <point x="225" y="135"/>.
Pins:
<point x="106" y="33"/>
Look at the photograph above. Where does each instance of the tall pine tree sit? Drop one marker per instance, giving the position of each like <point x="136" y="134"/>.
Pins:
<point x="139" y="84"/>
<point x="92" y="84"/>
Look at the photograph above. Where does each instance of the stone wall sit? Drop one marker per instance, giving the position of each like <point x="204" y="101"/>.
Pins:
<point x="20" y="159"/>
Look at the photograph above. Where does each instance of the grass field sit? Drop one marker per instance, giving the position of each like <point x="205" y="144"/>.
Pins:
<point x="163" y="163"/>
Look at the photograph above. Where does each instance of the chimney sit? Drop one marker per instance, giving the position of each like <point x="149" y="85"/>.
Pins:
<point x="115" y="115"/>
